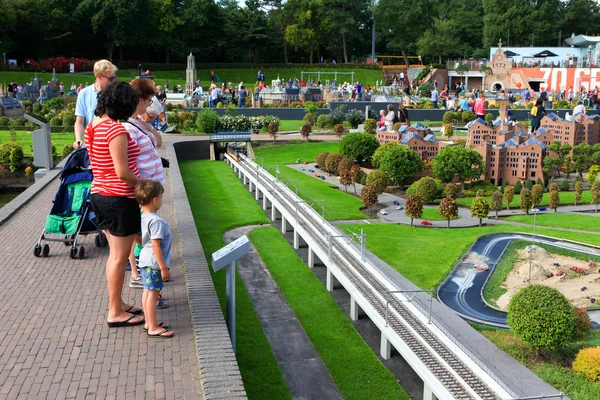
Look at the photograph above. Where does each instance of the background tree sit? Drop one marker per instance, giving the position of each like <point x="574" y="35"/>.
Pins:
<point x="533" y="309"/>
<point x="554" y="200"/>
<point x="496" y="204"/>
<point x="427" y="189"/>
<point x="480" y="208"/>
<point x="306" y="29"/>
<point x="359" y="146"/>
<point x="356" y="174"/>
<point x="448" y="209"/>
<point x="509" y="195"/>
<point x="378" y="180"/>
<point x="397" y="161"/>
<point x="441" y="38"/>
<point x="345" y="178"/>
<point x="414" y="207"/>
<point x="537" y="193"/>
<point x="455" y="160"/>
<point x="526" y="200"/>
<point x="368" y="196"/>
<point x="578" y="191"/>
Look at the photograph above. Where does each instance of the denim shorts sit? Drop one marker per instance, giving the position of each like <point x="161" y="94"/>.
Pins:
<point x="151" y="279"/>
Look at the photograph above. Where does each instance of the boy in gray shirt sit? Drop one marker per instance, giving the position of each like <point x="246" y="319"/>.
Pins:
<point x="154" y="257"/>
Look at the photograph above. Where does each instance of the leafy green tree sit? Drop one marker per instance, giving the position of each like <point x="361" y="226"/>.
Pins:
<point x="540" y="182"/>
<point x="537" y="193"/>
<point x="455" y="160"/>
<point x="397" y="161"/>
<point x="535" y="308"/>
<point x="339" y="22"/>
<point x="593" y="173"/>
<point x="427" y="189"/>
<point x="528" y="184"/>
<point x="526" y="200"/>
<point x="578" y="191"/>
<point x="564" y="186"/>
<point x="496" y="204"/>
<point x="518" y="187"/>
<point x="552" y="166"/>
<point x="581" y="157"/>
<point x="451" y="190"/>
<point x="480" y="208"/>
<point x="439" y="39"/>
<point x="554" y="200"/>
<point x="378" y="180"/>
<point x="414" y="207"/>
<point x="368" y="195"/>
<point x="448" y="209"/>
<point x="304" y="33"/>
<point x="580" y="16"/>
<point x="509" y="195"/>
<point x="359" y="146"/>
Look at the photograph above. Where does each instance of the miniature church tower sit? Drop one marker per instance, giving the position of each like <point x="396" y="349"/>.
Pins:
<point x="190" y="75"/>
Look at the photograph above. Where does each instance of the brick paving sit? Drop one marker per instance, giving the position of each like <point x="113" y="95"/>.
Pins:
<point x="54" y="341"/>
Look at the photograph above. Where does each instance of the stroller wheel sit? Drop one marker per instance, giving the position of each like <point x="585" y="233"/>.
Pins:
<point x="68" y="243"/>
<point x="45" y="250"/>
<point x="37" y="250"/>
<point x="73" y="252"/>
<point x="81" y="252"/>
<point x="103" y="240"/>
<point x="97" y="241"/>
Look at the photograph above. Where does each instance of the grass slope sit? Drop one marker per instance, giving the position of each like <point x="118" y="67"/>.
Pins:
<point x="426" y="256"/>
<point x="219" y="203"/>
<point x="24" y="139"/>
<point x="565" y="198"/>
<point x="338" y="205"/>
<point x="570" y="221"/>
<point x="345" y="354"/>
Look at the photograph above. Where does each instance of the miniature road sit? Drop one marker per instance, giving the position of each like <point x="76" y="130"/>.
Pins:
<point x="462" y="290"/>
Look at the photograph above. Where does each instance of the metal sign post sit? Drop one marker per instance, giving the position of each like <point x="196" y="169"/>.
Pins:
<point x="226" y="257"/>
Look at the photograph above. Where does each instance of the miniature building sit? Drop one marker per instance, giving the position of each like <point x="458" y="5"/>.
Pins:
<point x="190" y="75"/>
<point x="10" y="107"/>
<point x="417" y="137"/>
<point x="311" y="94"/>
<point x="580" y="128"/>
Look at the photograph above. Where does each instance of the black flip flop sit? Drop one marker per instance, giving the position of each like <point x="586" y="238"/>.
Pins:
<point x="161" y="325"/>
<point x="136" y="312"/>
<point x="125" y="323"/>
<point x="160" y="335"/>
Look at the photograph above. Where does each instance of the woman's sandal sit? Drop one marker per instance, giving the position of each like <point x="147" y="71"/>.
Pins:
<point x="118" y="324"/>
<point x="160" y="325"/>
<point x="161" y="334"/>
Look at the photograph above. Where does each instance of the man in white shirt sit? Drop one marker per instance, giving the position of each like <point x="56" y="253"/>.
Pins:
<point x="579" y="108"/>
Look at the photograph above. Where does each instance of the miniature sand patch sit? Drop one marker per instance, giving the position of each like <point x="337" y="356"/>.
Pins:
<point x="541" y="266"/>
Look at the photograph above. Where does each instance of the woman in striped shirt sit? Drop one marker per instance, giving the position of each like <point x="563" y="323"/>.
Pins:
<point x="113" y="155"/>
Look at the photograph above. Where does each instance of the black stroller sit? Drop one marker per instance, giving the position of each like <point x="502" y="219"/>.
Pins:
<point x="71" y="215"/>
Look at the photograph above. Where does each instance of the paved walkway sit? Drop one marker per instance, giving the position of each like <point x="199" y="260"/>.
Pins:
<point x="54" y="341"/>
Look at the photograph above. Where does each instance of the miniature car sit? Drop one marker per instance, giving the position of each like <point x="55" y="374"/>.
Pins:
<point x="305" y="162"/>
<point x="396" y="203"/>
<point x="425" y="223"/>
<point x="382" y="212"/>
<point x="400" y="208"/>
<point x="541" y="208"/>
<point x="323" y="177"/>
<point x="311" y="170"/>
<point x="481" y="267"/>
<point x="302" y="169"/>
<point x="317" y="176"/>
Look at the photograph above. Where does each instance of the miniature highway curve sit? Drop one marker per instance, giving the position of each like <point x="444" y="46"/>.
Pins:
<point x="458" y="378"/>
<point x="462" y="290"/>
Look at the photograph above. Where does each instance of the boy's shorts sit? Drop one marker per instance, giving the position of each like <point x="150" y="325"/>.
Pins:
<point x="151" y="279"/>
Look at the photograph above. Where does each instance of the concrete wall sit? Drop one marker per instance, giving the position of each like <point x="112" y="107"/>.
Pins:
<point x="281" y="113"/>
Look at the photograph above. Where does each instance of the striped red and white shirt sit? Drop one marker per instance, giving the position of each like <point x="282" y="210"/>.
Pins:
<point x="106" y="182"/>
<point x="148" y="162"/>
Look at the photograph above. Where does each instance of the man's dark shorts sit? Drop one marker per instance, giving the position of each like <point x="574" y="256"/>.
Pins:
<point x="120" y="215"/>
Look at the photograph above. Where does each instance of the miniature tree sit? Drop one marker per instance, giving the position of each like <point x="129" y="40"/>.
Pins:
<point x="596" y="198"/>
<point x="456" y="160"/>
<point x="537" y="193"/>
<point x="553" y="186"/>
<point x="504" y="186"/>
<point x="448" y="209"/>
<point x="518" y="187"/>
<point x="448" y="130"/>
<point x="451" y="190"/>
<point x="554" y="200"/>
<point x="496" y="203"/>
<point x="345" y="178"/>
<point x="338" y="129"/>
<point x="378" y="180"/>
<point x="397" y="161"/>
<point x="359" y="146"/>
<point x="509" y="195"/>
<point x="356" y="174"/>
<point x="345" y="163"/>
<point x="540" y="182"/>
<point x="427" y="189"/>
<point x="332" y="162"/>
<point x="368" y="196"/>
<point x="480" y="208"/>
<point x="535" y="308"/>
<point x="414" y="207"/>
<point x="593" y="173"/>
<point x="578" y="187"/>
<point x="587" y="362"/>
<point x="583" y="324"/>
<point x="370" y="126"/>
<point x="526" y="200"/>
<point x="528" y="184"/>
<point x="564" y="186"/>
<point x="274" y="130"/>
<point x="305" y="130"/>
<point x="321" y="159"/>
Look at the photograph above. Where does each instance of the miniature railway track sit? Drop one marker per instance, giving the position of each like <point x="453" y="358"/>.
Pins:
<point x="453" y="373"/>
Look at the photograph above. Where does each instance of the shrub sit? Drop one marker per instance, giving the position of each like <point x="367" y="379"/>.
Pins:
<point x="173" y="119"/>
<point x="338" y="115"/>
<point x="207" y="121"/>
<point x="486" y="186"/>
<point x="564" y="186"/>
<point x="467" y="116"/>
<point x="397" y="126"/>
<point x="427" y="189"/>
<point x="219" y="105"/>
<point x="535" y="308"/>
<point x="355" y="117"/>
<point x="553" y="187"/>
<point x="19" y="123"/>
<point x="345" y="163"/>
<point x="414" y="207"/>
<point x="188" y="125"/>
<point x="450" y="190"/>
<point x="378" y="180"/>
<point x="370" y="126"/>
<point x="448" y="117"/>
<point x="169" y="106"/>
<point x="305" y="130"/>
<point x="489" y="118"/>
<point x="338" y="129"/>
<point x="67" y="149"/>
<point x="587" y="362"/>
<point x="309" y="118"/>
<point x="4" y="122"/>
<point x="323" y="121"/>
<point x="448" y="130"/>
<point x="368" y="195"/>
<point x="68" y="119"/>
<point x="425" y="89"/>
<point x="412" y="189"/>
<point x="359" y="146"/>
<point x="321" y="159"/>
<point x="11" y="154"/>
<point x="332" y="162"/>
<point x="583" y="324"/>
<point x="528" y="184"/>
<point x="518" y="187"/>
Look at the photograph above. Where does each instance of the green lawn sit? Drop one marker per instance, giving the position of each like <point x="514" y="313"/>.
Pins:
<point x="290" y="124"/>
<point x="344" y="352"/>
<point x="565" y="198"/>
<point x="433" y="214"/>
<point x="556" y="368"/>
<point x="570" y="221"/>
<point x="220" y="203"/>
<point x="338" y="205"/>
<point x="493" y="289"/>
<point x="426" y="256"/>
<point x="24" y="139"/>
